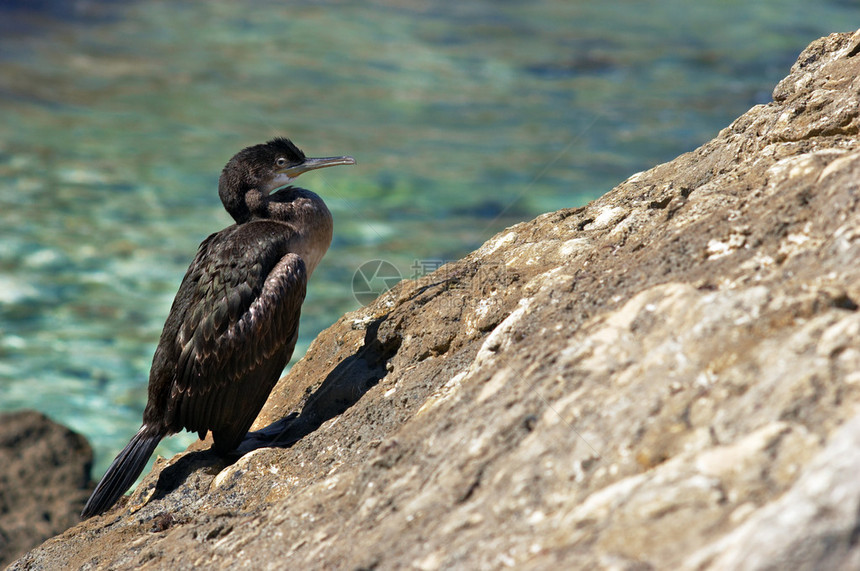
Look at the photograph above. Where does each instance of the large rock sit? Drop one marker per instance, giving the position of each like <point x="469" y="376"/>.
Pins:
<point x="667" y="377"/>
<point x="44" y="480"/>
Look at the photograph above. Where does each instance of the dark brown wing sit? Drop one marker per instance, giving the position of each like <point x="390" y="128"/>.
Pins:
<point x="231" y="331"/>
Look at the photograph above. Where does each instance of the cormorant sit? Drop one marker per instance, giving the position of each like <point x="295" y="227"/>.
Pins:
<point x="234" y="322"/>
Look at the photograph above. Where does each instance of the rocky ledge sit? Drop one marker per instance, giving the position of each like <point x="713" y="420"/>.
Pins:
<point x="668" y="377"/>
<point x="44" y="480"/>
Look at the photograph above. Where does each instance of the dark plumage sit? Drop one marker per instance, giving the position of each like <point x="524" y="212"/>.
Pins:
<point x="234" y="323"/>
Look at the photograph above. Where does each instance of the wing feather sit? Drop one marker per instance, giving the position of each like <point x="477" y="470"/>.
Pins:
<point x="235" y="328"/>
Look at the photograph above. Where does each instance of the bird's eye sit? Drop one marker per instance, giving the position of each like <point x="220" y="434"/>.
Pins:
<point x="281" y="162"/>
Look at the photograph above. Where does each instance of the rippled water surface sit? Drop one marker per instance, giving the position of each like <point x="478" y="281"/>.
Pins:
<point x="464" y="117"/>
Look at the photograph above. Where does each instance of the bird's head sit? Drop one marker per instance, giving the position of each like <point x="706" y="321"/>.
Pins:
<point x="263" y="168"/>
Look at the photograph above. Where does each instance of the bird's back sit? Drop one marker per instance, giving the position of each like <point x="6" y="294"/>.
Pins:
<point x="230" y="332"/>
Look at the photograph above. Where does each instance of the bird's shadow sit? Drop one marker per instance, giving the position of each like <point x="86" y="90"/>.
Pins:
<point x="342" y="388"/>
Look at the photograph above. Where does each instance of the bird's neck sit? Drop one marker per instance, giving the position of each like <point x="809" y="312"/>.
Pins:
<point x="308" y="219"/>
<point x="291" y="204"/>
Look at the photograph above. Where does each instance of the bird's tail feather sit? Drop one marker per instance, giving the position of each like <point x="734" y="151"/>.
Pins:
<point x="122" y="472"/>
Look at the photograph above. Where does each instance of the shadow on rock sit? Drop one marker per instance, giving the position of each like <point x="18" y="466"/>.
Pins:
<point x="177" y="474"/>
<point x="341" y="389"/>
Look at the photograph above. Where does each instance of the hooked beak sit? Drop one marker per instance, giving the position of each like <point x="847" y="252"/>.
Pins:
<point x="312" y="164"/>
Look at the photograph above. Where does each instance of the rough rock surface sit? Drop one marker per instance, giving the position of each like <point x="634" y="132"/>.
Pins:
<point x="668" y="377"/>
<point x="44" y="478"/>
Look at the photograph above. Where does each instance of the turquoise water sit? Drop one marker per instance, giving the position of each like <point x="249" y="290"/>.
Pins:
<point x="464" y="118"/>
